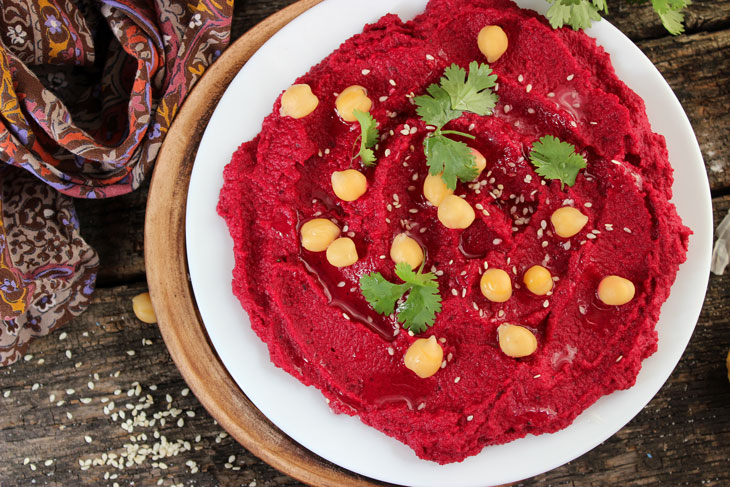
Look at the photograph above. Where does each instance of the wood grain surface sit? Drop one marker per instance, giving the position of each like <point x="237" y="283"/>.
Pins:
<point x="57" y="427"/>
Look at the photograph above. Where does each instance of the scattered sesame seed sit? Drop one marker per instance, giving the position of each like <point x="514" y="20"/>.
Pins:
<point x="346" y="316"/>
<point x="619" y="358"/>
<point x="469" y="418"/>
<point x="536" y="376"/>
<point x="87" y="439"/>
<point x="627" y="230"/>
<point x="497" y="241"/>
<point x="573" y="124"/>
<point x="456" y="380"/>
<point x="520" y="78"/>
<point x="429" y="57"/>
<point x="68" y="354"/>
<point x="528" y="88"/>
<point x="392" y="82"/>
<point x="570" y="77"/>
<point x="131" y="352"/>
<point x="590" y="236"/>
<point x="365" y="72"/>
<point x="546" y="303"/>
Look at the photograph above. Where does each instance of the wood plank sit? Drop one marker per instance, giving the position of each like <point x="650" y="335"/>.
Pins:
<point x="680" y="437"/>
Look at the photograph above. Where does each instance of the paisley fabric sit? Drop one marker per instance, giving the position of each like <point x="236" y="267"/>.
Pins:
<point x="88" y="90"/>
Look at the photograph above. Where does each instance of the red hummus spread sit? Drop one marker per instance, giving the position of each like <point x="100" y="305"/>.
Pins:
<point x="312" y="315"/>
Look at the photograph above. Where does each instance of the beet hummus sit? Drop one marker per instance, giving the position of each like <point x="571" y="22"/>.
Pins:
<point x="313" y="316"/>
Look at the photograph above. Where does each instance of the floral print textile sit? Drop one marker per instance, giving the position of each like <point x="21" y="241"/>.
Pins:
<point x="88" y="90"/>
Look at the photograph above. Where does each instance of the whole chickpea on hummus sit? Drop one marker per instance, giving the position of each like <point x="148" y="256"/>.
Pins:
<point x="457" y="228"/>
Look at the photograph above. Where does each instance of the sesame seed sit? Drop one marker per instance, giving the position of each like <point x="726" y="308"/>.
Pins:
<point x="454" y="292"/>
<point x="497" y="241"/>
<point x="131" y="352"/>
<point x="590" y="236"/>
<point x="536" y="376"/>
<point x="570" y="77"/>
<point x="520" y="78"/>
<point x="507" y="108"/>
<point x="365" y="72"/>
<point x="456" y="380"/>
<point x="588" y="204"/>
<point x="546" y="303"/>
<point x="573" y="124"/>
<point x="392" y="82"/>
<point x="528" y="88"/>
<point x="469" y="418"/>
<point x="429" y="57"/>
<point x="619" y="358"/>
<point x="627" y="230"/>
<point x="382" y="98"/>
<point x="68" y="354"/>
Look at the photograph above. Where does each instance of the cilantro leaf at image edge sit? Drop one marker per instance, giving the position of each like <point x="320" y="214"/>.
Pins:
<point x="555" y="159"/>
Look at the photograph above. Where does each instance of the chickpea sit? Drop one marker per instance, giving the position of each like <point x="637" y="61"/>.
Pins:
<point x="424" y="357"/>
<point x="492" y="41"/>
<point x="342" y="252"/>
<point x="298" y="101"/>
<point x="455" y="212"/>
<point x="516" y="341"/>
<point x="435" y="189"/>
<point x="143" y="310"/>
<point x="568" y="221"/>
<point x="352" y="98"/>
<point x="349" y="184"/>
<point x="479" y="160"/>
<point x="318" y="233"/>
<point x="496" y="285"/>
<point x="405" y="249"/>
<point x="615" y="290"/>
<point x="538" y="280"/>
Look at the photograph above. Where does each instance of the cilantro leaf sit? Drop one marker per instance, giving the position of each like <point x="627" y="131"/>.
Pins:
<point x="555" y="159"/>
<point x="452" y="158"/>
<point x="457" y="93"/>
<point x="435" y="108"/>
<point x="471" y="94"/>
<point x="368" y="136"/>
<point x="380" y="293"/>
<point x="418" y="312"/>
<point x="670" y="12"/>
<point x="579" y="14"/>
<point x="419" y="309"/>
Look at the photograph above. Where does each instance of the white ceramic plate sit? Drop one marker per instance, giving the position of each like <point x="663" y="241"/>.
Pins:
<point x="344" y="440"/>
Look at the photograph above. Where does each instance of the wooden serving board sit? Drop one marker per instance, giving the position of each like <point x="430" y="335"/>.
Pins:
<point x="167" y="275"/>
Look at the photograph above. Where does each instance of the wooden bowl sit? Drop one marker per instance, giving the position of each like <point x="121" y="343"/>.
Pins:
<point x="168" y="279"/>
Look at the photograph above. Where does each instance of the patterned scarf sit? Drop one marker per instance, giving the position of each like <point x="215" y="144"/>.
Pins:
<point x="88" y="91"/>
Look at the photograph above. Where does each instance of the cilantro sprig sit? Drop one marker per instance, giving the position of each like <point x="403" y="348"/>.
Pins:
<point x="455" y="94"/>
<point x="555" y="159"/>
<point x="368" y="136"/>
<point x="580" y="14"/>
<point x="418" y="311"/>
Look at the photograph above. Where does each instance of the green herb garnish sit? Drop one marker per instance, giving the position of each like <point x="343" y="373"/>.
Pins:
<point x="368" y="136"/>
<point x="447" y="101"/>
<point x="418" y="311"/>
<point x="580" y="14"/>
<point x="555" y="159"/>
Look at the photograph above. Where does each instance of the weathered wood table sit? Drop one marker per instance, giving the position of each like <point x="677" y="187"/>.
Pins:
<point x="64" y="408"/>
